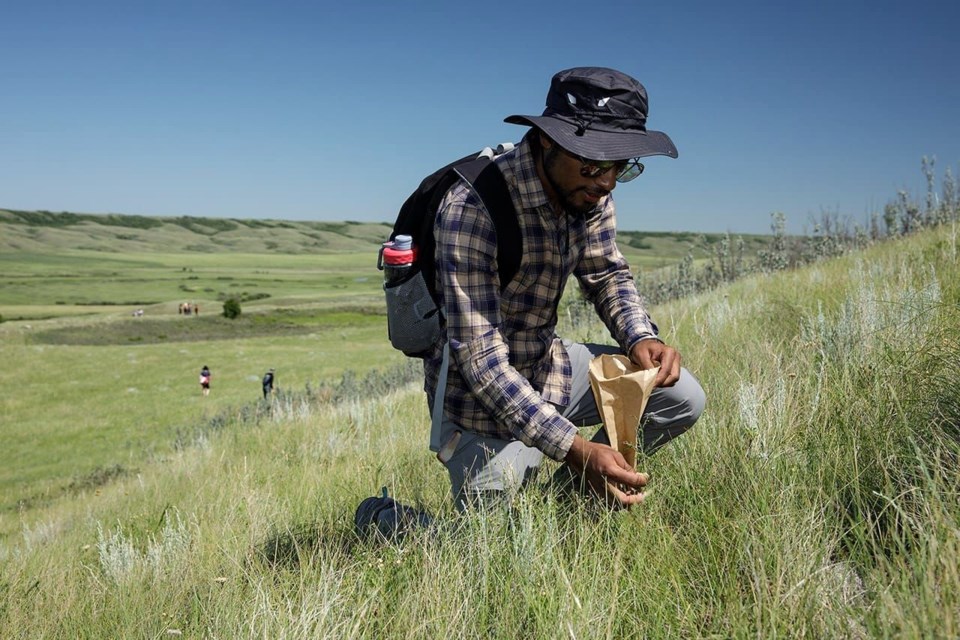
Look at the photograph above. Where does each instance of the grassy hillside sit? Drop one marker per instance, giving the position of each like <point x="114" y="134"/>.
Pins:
<point x="43" y="232"/>
<point x="817" y="497"/>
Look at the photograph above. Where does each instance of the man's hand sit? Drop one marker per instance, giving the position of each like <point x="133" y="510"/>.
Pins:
<point x="648" y="354"/>
<point x="606" y="473"/>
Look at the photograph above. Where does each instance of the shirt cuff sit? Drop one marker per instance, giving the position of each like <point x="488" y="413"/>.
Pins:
<point x="637" y="341"/>
<point x="558" y="434"/>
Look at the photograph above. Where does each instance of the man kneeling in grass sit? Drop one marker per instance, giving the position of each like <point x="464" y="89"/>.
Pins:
<point x="513" y="390"/>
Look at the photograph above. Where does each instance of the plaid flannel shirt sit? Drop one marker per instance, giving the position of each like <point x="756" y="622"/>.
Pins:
<point x="509" y="371"/>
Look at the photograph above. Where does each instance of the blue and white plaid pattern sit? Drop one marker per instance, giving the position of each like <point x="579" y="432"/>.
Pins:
<point x="507" y="366"/>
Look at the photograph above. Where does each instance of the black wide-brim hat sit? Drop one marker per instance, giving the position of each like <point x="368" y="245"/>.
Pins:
<point x="599" y="114"/>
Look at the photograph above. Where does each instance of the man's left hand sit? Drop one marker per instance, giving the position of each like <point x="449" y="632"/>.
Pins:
<point x="648" y="354"/>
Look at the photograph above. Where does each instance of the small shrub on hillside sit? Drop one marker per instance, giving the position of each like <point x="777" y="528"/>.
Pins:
<point x="120" y="558"/>
<point x="776" y="257"/>
<point x="638" y="241"/>
<point x="231" y="308"/>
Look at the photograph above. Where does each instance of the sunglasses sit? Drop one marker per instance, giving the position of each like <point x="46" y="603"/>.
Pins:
<point x="626" y="170"/>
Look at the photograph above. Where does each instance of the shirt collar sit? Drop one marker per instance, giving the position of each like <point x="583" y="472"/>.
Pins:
<point x="532" y="195"/>
<point x="524" y="168"/>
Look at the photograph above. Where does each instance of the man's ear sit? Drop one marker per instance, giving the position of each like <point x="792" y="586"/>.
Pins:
<point x="545" y="141"/>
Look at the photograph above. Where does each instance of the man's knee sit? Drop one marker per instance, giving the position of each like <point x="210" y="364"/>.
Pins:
<point x="679" y="405"/>
<point x="482" y="467"/>
<point x="694" y="402"/>
<point x="677" y="409"/>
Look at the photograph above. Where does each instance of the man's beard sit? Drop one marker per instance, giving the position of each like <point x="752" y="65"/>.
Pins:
<point x="566" y="196"/>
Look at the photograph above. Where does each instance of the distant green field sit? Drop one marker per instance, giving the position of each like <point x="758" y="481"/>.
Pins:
<point x="94" y="390"/>
<point x="163" y="280"/>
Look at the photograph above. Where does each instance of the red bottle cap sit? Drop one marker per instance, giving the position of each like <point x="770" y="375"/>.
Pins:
<point x="395" y="257"/>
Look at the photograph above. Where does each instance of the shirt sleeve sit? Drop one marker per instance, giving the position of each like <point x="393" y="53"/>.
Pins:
<point x="606" y="281"/>
<point x="470" y="290"/>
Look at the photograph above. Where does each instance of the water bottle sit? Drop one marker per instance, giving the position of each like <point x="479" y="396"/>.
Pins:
<point x="396" y="260"/>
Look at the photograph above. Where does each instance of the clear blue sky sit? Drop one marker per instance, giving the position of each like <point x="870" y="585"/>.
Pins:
<point x="334" y="111"/>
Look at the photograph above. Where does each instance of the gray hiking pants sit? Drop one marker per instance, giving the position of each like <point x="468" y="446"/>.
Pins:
<point x="483" y="465"/>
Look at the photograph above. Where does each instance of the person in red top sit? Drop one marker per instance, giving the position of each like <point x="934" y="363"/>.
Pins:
<point x="205" y="380"/>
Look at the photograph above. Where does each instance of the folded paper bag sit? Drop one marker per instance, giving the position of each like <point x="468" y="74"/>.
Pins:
<point x="621" y="390"/>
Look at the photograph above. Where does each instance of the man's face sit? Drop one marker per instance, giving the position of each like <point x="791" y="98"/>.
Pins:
<point x="577" y="195"/>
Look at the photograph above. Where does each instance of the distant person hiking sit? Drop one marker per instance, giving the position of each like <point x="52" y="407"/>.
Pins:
<point x="268" y="379"/>
<point x="205" y="380"/>
<point x="510" y="390"/>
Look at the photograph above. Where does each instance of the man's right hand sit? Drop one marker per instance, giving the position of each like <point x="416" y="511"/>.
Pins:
<point x="606" y="472"/>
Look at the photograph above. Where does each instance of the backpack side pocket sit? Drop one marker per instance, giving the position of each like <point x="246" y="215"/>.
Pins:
<point x="413" y="319"/>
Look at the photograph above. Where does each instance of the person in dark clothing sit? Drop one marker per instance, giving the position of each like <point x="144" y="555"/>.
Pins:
<point x="267" y="384"/>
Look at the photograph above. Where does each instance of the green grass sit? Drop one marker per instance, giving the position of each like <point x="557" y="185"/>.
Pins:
<point x="817" y="497"/>
<point x="123" y="404"/>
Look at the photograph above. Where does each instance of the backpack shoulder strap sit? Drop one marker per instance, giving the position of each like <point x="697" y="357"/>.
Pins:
<point x="490" y="185"/>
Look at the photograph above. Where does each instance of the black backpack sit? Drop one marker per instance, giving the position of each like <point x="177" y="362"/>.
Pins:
<point x="413" y="327"/>
<point x="418" y="213"/>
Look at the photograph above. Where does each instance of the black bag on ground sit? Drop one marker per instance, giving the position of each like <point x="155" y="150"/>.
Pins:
<point x="385" y="517"/>
<point x="414" y="320"/>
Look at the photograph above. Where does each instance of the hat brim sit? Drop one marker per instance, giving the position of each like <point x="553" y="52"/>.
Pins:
<point x="600" y="144"/>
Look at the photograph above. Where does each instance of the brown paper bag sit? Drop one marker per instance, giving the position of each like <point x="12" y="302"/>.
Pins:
<point x="621" y="390"/>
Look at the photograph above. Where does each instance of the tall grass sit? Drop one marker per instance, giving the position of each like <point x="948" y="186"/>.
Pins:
<point x="817" y="497"/>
